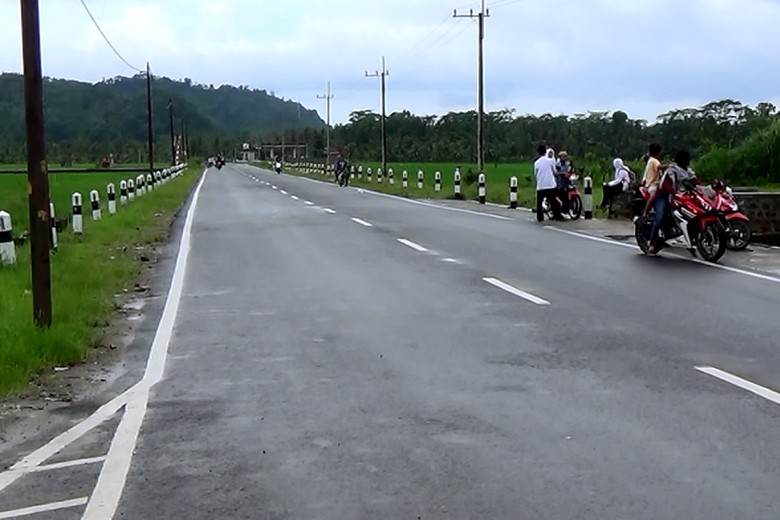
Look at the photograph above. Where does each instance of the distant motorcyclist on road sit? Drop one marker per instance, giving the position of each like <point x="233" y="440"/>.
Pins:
<point x="341" y="168"/>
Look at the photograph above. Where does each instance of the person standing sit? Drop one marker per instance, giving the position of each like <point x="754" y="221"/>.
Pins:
<point x="546" y="188"/>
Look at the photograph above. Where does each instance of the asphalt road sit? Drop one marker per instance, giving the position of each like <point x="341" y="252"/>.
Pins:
<point x="343" y="355"/>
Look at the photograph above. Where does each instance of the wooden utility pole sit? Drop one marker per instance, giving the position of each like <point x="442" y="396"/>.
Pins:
<point x="481" y="15"/>
<point x="327" y="97"/>
<point x="173" y="143"/>
<point x="381" y="75"/>
<point x="149" y="129"/>
<point x="37" y="170"/>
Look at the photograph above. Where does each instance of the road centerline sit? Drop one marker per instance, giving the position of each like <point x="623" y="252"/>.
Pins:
<point x="514" y="290"/>
<point x="362" y="222"/>
<point x="416" y="247"/>
<point x="744" y="384"/>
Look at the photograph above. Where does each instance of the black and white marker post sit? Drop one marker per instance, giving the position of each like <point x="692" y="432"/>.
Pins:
<point x="54" y="238"/>
<point x="437" y="181"/>
<point x="7" y="247"/>
<point x="404" y="179"/>
<point x="360" y="172"/>
<point x="390" y="176"/>
<point x="481" y="189"/>
<point x="368" y="174"/>
<point x="379" y="175"/>
<point x="94" y="199"/>
<point x="122" y="192"/>
<point x="420" y="179"/>
<point x="130" y="190"/>
<point x="458" y="194"/>
<point x="352" y="172"/>
<point x="513" y="192"/>
<point x="140" y="186"/>
<point x="77" y="209"/>
<point x="111" y="195"/>
<point x="149" y="184"/>
<point x="588" y="199"/>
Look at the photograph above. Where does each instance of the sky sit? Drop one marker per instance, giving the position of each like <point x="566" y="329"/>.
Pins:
<point x="644" y="57"/>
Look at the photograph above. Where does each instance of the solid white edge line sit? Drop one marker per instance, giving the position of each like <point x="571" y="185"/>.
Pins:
<point x="594" y="238"/>
<point x="68" y="464"/>
<point x="111" y="482"/>
<point x="744" y="384"/>
<point x="735" y="270"/>
<point x="429" y="205"/>
<point x="34" y="459"/>
<point x="43" y="508"/>
<point x="362" y="222"/>
<point x="328" y="210"/>
<point x="517" y="292"/>
<point x="416" y="247"/>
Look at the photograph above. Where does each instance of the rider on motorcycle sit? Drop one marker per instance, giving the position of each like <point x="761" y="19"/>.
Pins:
<point x="563" y="167"/>
<point x="341" y="166"/>
<point x="674" y="177"/>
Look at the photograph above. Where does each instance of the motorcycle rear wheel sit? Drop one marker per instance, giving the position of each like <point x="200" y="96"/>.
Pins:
<point x="739" y="234"/>
<point x="712" y="241"/>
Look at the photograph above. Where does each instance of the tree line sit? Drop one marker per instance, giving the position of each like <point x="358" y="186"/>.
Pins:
<point x="728" y="138"/>
<point x="86" y="121"/>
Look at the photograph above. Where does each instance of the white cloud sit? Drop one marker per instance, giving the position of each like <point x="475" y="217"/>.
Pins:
<point x="540" y="56"/>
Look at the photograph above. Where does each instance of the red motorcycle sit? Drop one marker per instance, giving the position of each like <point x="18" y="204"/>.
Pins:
<point x="692" y="219"/>
<point x="737" y="224"/>
<point x="573" y="197"/>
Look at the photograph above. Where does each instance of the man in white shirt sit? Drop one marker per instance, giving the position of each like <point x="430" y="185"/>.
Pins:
<point x="544" y="170"/>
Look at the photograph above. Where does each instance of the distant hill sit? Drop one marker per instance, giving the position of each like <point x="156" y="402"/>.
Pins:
<point x="89" y="119"/>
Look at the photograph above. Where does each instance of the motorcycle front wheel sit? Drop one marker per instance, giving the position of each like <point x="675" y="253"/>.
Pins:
<point x="575" y="207"/>
<point x="739" y="235"/>
<point x="711" y="242"/>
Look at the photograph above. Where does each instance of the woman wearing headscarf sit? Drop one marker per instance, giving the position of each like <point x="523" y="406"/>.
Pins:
<point x="618" y="184"/>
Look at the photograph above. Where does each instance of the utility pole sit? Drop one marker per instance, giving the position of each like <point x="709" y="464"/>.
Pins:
<point x="181" y="142"/>
<point x="481" y="15"/>
<point x="149" y="130"/>
<point x="327" y="97"/>
<point x="37" y="170"/>
<point x="173" y="144"/>
<point x="381" y="76"/>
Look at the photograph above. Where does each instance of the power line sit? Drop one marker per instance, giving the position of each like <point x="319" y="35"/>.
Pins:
<point x="136" y="69"/>
<point x="414" y="47"/>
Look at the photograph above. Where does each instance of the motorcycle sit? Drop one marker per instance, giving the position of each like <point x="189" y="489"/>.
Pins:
<point x="573" y="197"/>
<point x="342" y="178"/>
<point x="278" y="168"/>
<point x="692" y="219"/>
<point x="737" y="224"/>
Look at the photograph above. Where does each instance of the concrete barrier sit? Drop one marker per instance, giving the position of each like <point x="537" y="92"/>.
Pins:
<point x="7" y="247"/>
<point x="763" y="210"/>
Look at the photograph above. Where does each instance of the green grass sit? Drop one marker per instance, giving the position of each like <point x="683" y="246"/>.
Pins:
<point x="56" y="166"/>
<point x="87" y="271"/>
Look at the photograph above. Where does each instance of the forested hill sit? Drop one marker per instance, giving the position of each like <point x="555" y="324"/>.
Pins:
<point x="114" y="111"/>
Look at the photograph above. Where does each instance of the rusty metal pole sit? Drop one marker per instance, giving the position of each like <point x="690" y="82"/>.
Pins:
<point x="37" y="170"/>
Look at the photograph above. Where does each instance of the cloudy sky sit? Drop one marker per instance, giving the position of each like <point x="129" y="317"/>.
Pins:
<point x="557" y="56"/>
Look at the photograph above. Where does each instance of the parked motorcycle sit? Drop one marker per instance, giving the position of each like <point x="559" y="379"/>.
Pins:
<point x="574" y="199"/>
<point x="737" y="224"/>
<point x="692" y="219"/>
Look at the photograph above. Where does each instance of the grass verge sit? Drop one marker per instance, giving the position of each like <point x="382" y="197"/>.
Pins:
<point x="87" y="271"/>
<point x="496" y="182"/>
